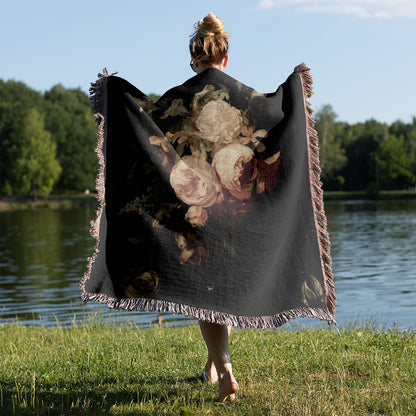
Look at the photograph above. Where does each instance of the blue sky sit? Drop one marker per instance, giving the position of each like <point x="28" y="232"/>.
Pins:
<point x="361" y="53"/>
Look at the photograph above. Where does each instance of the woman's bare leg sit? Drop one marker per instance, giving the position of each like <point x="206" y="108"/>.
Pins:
<point x="210" y="372"/>
<point x="216" y="339"/>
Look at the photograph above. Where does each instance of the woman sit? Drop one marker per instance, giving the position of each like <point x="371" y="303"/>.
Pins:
<point x="211" y="203"/>
<point x="209" y="49"/>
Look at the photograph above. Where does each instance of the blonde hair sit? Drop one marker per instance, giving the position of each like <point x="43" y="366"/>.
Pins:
<point x="209" y="42"/>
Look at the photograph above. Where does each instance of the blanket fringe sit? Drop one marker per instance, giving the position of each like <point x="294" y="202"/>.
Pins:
<point x="316" y="188"/>
<point x="97" y="92"/>
<point x="258" y="322"/>
<point x="98" y="106"/>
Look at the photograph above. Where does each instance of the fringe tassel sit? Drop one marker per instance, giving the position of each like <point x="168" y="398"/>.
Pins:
<point x="97" y="92"/>
<point x="316" y="188"/>
<point x="259" y="322"/>
<point x="98" y="107"/>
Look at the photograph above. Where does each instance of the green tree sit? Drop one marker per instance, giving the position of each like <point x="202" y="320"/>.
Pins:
<point x="9" y="114"/>
<point x="408" y="132"/>
<point x="332" y="154"/>
<point x="361" y="142"/>
<point x="71" y="123"/>
<point x="34" y="168"/>
<point x="14" y="92"/>
<point x="15" y="99"/>
<point x="154" y="97"/>
<point x="394" y="164"/>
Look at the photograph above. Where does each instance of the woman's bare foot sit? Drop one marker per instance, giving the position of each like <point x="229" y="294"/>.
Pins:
<point x="209" y="374"/>
<point x="216" y="338"/>
<point x="228" y="388"/>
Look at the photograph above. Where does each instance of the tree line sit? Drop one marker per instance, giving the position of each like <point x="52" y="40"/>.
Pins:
<point x="47" y="143"/>
<point x="47" y="140"/>
<point x="368" y="156"/>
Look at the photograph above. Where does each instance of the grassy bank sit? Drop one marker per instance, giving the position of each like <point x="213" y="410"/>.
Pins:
<point x="10" y="203"/>
<point x="108" y="370"/>
<point x="339" y="195"/>
<point x="66" y="201"/>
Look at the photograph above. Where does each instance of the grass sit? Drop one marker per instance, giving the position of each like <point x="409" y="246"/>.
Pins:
<point x="108" y="369"/>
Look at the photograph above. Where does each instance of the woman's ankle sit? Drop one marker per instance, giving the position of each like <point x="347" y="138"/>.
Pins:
<point x="228" y="386"/>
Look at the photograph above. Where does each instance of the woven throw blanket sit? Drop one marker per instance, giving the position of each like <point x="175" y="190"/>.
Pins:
<point x="210" y="202"/>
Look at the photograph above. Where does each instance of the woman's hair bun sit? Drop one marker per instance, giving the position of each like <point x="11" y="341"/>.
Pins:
<point x="210" y="24"/>
<point x="209" y="42"/>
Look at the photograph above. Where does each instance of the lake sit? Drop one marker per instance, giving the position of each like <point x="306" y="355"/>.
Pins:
<point x="43" y="257"/>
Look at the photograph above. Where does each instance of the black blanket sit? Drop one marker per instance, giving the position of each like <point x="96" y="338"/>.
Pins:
<point x="210" y="202"/>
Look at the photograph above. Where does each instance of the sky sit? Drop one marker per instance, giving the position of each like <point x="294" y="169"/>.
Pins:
<point x="361" y="53"/>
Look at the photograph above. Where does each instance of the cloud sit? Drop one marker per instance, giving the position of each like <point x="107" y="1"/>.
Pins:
<point x="365" y="9"/>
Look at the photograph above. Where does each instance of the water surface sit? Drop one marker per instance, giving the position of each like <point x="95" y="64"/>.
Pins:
<point x="43" y="257"/>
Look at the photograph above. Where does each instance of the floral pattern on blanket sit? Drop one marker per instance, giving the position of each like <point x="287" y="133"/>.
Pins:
<point x="216" y="165"/>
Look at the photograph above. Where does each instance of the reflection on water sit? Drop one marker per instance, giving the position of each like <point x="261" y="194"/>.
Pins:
<point x="43" y="257"/>
<point x="374" y="255"/>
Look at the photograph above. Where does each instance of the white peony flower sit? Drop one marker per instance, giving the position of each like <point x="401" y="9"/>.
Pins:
<point x="219" y="122"/>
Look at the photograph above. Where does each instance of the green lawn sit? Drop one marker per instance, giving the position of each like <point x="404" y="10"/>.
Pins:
<point x="108" y="369"/>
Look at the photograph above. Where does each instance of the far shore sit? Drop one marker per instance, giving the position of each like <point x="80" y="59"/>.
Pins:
<point x="348" y="195"/>
<point x="64" y="201"/>
<point x="67" y="201"/>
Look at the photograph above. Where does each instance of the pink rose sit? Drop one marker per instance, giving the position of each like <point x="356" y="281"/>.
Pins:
<point x="196" y="216"/>
<point x="236" y="167"/>
<point x="195" y="182"/>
